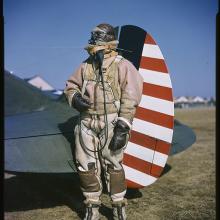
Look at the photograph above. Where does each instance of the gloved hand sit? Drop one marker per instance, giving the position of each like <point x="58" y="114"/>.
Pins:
<point x="80" y="103"/>
<point x="118" y="140"/>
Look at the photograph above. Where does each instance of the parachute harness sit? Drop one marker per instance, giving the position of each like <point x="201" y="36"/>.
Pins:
<point x="99" y="56"/>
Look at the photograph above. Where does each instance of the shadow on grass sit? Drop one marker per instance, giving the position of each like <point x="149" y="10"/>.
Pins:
<point x="37" y="191"/>
<point x="166" y="169"/>
<point x="25" y="192"/>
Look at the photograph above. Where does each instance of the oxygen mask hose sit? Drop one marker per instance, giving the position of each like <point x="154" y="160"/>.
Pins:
<point x="99" y="56"/>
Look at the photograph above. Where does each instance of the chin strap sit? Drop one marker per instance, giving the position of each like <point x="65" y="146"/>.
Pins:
<point x="107" y="47"/>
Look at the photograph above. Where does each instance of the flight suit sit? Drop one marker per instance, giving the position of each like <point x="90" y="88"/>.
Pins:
<point x="122" y="93"/>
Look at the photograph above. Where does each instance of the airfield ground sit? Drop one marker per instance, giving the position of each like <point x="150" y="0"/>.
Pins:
<point x="185" y="192"/>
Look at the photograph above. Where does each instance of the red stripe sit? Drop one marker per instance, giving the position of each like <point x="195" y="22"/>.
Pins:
<point x="156" y="91"/>
<point x="149" y="40"/>
<point x="143" y="140"/>
<point x="136" y="163"/>
<point x="153" y="64"/>
<point x="154" y="117"/>
<point x="142" y="166"/>
<point x="156" y="170"/>
<point x="149" y="142"/>
<point x="163" y="147"/>
<point x="133" y="185"/>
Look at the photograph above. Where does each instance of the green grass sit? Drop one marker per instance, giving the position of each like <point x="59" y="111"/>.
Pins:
<point x="186" y="192"/>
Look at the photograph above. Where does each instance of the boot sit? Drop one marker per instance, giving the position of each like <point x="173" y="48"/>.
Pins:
<point x="119" y="210"/>
<point x="92" y="210"/>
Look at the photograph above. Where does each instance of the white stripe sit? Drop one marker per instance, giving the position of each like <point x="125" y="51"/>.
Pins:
<point x="153" y="130"/>
<point x="146" y="154"/>
<point x="140" y="152"/>
<point x="158" y="105"/>
<point x="160" y="159"/>
<point x="151" y="50"/>
<point x="155" y="77"/>
<point x="138" y="177"/>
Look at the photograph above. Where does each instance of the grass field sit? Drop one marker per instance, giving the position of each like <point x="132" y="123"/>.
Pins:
<point x="186" y="191"/>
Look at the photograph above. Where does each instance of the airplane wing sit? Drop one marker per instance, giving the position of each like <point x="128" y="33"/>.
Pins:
<point x="38" y="130"/>
<point x="43" y="141"/>
<point x="183" y="137"/>
<point x="22" y="97"/>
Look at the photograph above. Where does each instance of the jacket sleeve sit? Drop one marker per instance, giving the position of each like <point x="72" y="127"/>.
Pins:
<point x="131" y="83"/>
<point x="74" y="84"/>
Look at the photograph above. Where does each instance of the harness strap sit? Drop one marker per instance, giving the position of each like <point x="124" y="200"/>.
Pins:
<point x="85" y="81"/>
<point x="117" y="60"/>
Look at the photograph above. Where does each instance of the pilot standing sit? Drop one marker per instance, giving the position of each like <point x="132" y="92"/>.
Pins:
<point x="106" y="89"/>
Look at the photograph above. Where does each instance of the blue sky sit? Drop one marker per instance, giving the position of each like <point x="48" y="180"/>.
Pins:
<point x="46" y="37"/>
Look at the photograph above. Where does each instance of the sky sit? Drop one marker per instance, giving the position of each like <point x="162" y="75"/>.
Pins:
<point x="47" y="37"/>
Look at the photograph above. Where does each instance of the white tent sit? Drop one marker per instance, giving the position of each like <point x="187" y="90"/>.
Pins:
<point x="181" y="99"/>
<point x="198" y="99"/>
<point x="40" y="83"/>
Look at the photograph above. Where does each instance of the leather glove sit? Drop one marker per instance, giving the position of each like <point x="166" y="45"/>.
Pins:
<point x="118" y="140"/>
<point x="79" y="103"/>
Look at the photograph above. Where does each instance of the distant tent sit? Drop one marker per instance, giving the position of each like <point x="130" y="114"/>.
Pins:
<point x="181" y="99"/>
<point x="198" y="99"/>
<point x="40" y="83"/>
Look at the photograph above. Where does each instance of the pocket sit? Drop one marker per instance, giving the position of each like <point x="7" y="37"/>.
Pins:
<point x="85" y="126"/>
